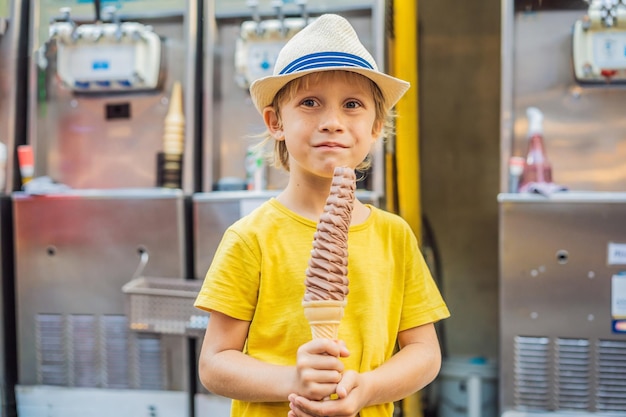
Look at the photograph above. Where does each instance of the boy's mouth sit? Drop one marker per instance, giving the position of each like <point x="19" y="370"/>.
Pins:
<point x="329" y="145"/>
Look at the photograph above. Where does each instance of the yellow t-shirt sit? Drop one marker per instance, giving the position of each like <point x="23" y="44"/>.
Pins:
<point x="258" y="274"/>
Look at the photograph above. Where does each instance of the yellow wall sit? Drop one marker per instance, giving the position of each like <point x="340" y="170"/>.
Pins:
<point x="407" y="181"/>
<point x="407" y="144"/>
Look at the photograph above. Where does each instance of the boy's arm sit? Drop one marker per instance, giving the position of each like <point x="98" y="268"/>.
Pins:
<point x="414" y="366"/>
<point x="225" y="370"/>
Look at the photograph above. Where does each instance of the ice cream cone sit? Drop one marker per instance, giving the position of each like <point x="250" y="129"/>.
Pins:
<point x="324" y="317"/>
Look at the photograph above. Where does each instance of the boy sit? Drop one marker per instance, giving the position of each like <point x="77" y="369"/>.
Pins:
<point x="324" y="107"/>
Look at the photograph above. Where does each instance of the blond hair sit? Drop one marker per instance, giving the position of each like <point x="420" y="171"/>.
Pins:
<point x="280" y="156"/>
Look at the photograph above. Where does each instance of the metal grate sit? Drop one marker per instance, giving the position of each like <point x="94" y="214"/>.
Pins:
<point x="611" y="376"/>
<point x="149" y="362"/>
<point x="114" y="351"/>
<point x="82" y="350"/>
<point x="50" y="344"/>
<point x="572" y="374"/>
<point x="531" y="380"/>
<point x="83" y="354"/>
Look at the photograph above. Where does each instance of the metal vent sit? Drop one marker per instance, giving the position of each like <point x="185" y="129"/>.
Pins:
<point x="611" y="376"/>
<point x="83" y="350"/>
<point x="83" y="354"/>
<point x="572" y="374"/>
<point x="531" y="376"/>
<point x="50" y="343"/>
<point x="149" y="362"/>
<point x="115" y="350"/>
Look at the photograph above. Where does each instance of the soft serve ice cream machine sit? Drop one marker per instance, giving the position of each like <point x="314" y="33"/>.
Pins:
<point x="562" y="263"/>
<point x="103" y="79"/>
<point x="106" y="57"/>
<point x="103" y="82"/>
<point x="249" y="35"/>
<point x="260" y="41"/>
<point x="102" y="74"/>
<point x="599" y="43"/>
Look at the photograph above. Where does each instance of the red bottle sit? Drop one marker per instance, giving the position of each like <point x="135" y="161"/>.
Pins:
<point x="537" y="167"/>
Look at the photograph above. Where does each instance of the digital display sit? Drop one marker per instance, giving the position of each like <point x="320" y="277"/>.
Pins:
<point x="100" y="61"/>
<point x="100" y="65"/>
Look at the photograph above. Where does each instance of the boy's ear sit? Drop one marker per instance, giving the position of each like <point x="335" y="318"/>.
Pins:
<point x="377" y="130"/>
<point x="272" y="121"/>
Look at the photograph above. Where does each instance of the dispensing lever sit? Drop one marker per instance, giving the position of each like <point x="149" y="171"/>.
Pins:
<point x="111" y="11"/>
<point x="254" y="6"/>
<point x="96" y="5"/>
<point x="303" y="11"/>
<point x="278" y="7"/>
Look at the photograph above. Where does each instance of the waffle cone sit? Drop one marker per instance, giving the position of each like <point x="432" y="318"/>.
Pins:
<point x="324" y="317"/>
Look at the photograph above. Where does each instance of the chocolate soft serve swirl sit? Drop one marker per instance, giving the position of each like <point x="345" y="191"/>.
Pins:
<point x="326" y="276"/>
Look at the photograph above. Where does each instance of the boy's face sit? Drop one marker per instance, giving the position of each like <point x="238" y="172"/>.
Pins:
<point x="330" y="121"/>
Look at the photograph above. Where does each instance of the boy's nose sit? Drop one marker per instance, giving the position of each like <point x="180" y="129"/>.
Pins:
<point x="331" y="121"/>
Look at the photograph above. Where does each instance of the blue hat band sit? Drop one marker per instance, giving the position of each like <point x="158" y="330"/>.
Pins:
<point x="325" y="60"/>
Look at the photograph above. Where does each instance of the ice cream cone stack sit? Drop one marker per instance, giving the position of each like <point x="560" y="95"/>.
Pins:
<point x="170" y="161"/>
<point x="324" y="317"/>
<point x="174" y="129"/>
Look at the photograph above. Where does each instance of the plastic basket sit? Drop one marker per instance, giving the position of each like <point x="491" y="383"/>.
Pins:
<point x="164" y="305"/>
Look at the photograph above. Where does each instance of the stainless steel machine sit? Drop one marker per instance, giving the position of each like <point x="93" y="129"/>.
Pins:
<point x="74" y="253"/>
<point x="562" y="263"/>
<point x="13" y="20"/>
<point x="101" y="80"/>
<point x="232" y="124"/>
<point x="10" y="31"/>
<point x="563" y="331"/>
<point x="101" y="234"/>
<point x="101" y="86"/>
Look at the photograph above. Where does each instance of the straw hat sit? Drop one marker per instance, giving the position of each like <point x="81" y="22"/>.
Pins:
<point x="329" y="43"/>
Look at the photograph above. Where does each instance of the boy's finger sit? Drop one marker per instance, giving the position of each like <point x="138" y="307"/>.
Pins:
<point x="347" y="384"/>
<point x="326" y="346"/>
<point x="344" y="352"/>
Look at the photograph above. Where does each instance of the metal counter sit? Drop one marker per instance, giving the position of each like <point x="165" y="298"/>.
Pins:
<point x="212" y="214"/>
<point x="74" y="251"/>
<point x="562" y="260"/>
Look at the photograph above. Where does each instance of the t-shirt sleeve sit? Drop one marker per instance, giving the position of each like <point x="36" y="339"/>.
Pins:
<point x="422" y="302"/>
<point x="232" y="281"/>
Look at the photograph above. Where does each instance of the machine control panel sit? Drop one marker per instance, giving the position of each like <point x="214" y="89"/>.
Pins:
<point x="599" y="43"/>
<point x="106" y="56"/>
<point x="260" y="41"/>
<point x="259" y="44"/>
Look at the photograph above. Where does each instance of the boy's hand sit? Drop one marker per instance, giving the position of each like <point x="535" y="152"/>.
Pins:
<point x="350" y="399"/>
<point x="318" y="368"/>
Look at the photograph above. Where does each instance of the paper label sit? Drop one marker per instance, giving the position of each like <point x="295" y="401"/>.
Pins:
<point x="618" y="302"/>
<point x="617" y="253"/>
<point x="608" y="50"/>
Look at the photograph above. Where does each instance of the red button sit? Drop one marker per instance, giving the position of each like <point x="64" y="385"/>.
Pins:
<point x="608" y="73"/>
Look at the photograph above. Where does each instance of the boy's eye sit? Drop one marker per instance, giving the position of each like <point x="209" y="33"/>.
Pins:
<point x="308" y="102"/>
<point x="353" y="104"/>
